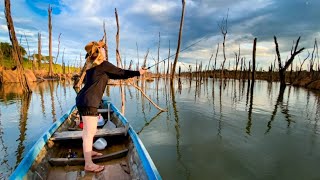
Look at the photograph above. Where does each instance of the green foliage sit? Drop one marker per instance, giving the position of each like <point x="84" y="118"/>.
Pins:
<point x="43" y="58"/>
<point x="7" y="62"/>
<point x="6" y="50"/>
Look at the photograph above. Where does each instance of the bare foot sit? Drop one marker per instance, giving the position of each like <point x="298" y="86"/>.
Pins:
<point x="94" y="153"/>
<point x="93" y="168"/>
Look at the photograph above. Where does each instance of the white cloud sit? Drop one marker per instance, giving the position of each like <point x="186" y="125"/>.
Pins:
<point x="141" y="21"/>
<point x="3" y="28"/>
<point x="153" y="8"/>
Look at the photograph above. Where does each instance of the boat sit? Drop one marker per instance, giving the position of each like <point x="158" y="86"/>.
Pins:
<point x="58" y="152"/>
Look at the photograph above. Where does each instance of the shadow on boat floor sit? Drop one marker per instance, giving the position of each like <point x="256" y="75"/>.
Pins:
<point x="115" y="169"/>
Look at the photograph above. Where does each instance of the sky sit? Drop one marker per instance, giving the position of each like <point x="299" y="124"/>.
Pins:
<point x="141" y="21"/>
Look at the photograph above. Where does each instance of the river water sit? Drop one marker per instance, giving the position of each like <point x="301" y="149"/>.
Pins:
<point x="212" y="130"/>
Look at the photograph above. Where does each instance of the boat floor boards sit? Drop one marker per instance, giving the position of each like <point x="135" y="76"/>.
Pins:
<point x="116" y="169"/>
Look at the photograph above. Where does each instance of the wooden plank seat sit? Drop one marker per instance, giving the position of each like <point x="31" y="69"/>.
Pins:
<point x="95" y="159"/>
<point x="66" y="135"/>
<point x="104" y="111"/>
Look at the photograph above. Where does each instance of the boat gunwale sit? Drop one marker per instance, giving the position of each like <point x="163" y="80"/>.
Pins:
<point x="24" y="166"/>
<point x="28" y="160"/>
<point x="150" y="168"/>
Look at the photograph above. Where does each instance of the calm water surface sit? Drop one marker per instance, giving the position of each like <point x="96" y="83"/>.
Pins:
<point x="209" y="132"/>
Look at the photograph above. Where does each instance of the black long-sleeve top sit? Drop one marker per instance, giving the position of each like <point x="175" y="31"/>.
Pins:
<point x="96" y="80"/>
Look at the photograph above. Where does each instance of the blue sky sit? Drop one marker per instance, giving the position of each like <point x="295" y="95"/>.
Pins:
<point x="81" y="21"/>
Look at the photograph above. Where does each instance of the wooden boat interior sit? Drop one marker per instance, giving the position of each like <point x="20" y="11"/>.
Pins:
<point x="62" y="156"/>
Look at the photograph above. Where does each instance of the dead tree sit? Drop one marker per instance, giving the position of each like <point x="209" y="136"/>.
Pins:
<point x="63" y="63"/>
<point x="215" y="61"/>
<point x="179" y="40"/>
<point x="314" y="55"/>
<point x="168" y="61"/>
<point x="282" y="69"/>
<point x="301" y="64"/>
<point x="117" y="40"/>
<point x="145" y="59"/>
<point x="237" y="60"/>
<point x="34" y="62"/>
<point x="224" y="30"/>
<point x="158" y="57"/>
<point x="16" y="49"/>
<point x="50" y="42"/>
<point x="58" y="49"/>
<point x="137" y="55"/>
<point x="105" y="40"/>
<point x="254" y="60"/>
<point x="130" y="64"/>
<point x="39" y="50"/>
<point x="33" y="65"/>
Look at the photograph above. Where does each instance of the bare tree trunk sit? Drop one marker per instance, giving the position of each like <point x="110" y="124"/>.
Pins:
<point x="158" y="56"/>
<point x="33" y="67"/>
<point x="130" y="65"/>
<point x="254" y="60"/>
<point x="63" y="63"/>
<point x="58" y="49"/>
<point x="137" y="56"/>
<point x="16" y="49"/>
<point x="34" y="63"/>
<point x="145" y="59"/>
<point x="39" y="50"/>
<point x="224" y="30"/>
<point x="179" y="40"/>
<point x="168" y="61"/>
<point x="117" y="40"/>
<point x="215" y="61"/>
<point x="105" y="40"/>
<point x="50" y="42"/>
<point x="119" y="63"/>
<point x="237" y="61"/>
<point x="282" y="70"/>
<point x="78" y="82"/>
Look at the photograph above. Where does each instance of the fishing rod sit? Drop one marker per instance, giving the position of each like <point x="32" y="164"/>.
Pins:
<point x="176" y="53"/>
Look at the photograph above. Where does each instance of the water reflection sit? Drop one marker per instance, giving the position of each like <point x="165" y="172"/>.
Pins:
<point x="4" y="149"/>
<point x="53" y="110"/>
<point x="40" y="89"/>
<point x="227" y="128"/>
<point x="24" y="117"/>
<point x="25" y="104"/>
<point x="249" y="123"/>
<point x="177" y="127"/>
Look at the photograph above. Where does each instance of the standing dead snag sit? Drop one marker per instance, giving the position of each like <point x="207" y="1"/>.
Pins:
<point x="158" y="57"/>
<point x="39" y="50"/>
<point x="179" y="40"/>
<point x="105" y="41"/>
<point x="50" y="42"/>
<point x="237" y="60"/>
<point x="254" y="59"/>
<point x="58" y="49"/>
<point x="117" y="40"/>
<point x="282" y="69"/>
<point x="224" y="30"/>
<point x="16" y="49"/>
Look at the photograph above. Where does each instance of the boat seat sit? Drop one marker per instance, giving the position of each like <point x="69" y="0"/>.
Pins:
<point x="104" y="111"/>
<point x="95" y="159"/>
<point x="66" y="135"/>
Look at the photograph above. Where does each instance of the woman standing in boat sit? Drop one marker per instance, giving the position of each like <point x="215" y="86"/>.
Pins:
<point x="98" y="73"/>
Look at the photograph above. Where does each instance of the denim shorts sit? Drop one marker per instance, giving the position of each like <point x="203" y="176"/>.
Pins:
<point x="88" y="111"/>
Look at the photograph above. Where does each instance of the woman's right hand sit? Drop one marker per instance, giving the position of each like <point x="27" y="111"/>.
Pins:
<point x="142" y="71"/>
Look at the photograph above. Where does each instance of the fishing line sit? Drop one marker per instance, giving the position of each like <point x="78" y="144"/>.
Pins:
<point x="179" y="51"/>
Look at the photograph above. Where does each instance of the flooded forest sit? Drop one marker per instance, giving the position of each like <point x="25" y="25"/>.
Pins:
<point x="226" y="117"/>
